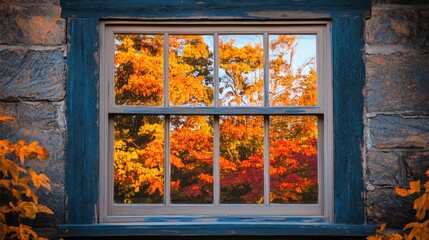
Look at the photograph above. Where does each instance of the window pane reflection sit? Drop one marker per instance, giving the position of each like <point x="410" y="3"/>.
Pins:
<point x="241" y="159"/>
<point x="191" y="159"/>
<point x="138" y="63"/>
<point x="241" y="72"/>
<point x="138" y="156"/>
<point x="190" y="70"/>
<point x="293" y="159"/>
<point x="293" y="77"/>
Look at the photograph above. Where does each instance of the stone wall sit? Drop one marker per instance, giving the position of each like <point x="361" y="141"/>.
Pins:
<point x="397" y="106"/>
<point x="32" y="89"/>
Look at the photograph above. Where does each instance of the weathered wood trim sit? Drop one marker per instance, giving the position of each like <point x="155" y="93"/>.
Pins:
<point x="348" y="84"/>
<point x="82" y="113"/>
<point x="213" y="9"/>
<point x="82" y="121"/>
<point x="215" y="229"/>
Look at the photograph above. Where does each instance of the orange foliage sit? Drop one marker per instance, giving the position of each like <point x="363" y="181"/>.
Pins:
<point x="139" y="139"/>
<point x="17" y="186"/>
<point x="418" y="230"/>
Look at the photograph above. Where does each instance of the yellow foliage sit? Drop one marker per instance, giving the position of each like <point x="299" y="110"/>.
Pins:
<point x="39" y="180"/>
<point x="417" y="230"/>
<point x="18" y="197"/>
<point x="414" y="188"/>
<point x="7" y="119"/>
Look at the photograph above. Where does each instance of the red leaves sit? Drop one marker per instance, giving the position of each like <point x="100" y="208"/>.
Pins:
<point x="139" y="146"/>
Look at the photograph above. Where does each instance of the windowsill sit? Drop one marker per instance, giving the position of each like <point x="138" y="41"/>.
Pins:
<point x="214" y="229"/>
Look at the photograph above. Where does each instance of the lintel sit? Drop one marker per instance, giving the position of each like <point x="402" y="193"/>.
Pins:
<point x="212" y="9"/>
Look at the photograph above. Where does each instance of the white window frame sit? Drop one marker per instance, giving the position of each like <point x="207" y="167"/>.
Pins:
<point x="323" y="211"/>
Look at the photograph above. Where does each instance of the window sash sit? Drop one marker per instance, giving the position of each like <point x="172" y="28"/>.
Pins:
<point x="111" y="212"/>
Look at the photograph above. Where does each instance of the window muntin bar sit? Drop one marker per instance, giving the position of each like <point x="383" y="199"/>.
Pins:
<point x="216" y="111"/>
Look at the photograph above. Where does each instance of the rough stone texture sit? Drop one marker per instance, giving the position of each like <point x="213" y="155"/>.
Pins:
<point x="397" y="106"/>
<point x="43" y="122"/>
<point x="32" y="75"/>
<point x="26" y="2"/>
<point x="384" y="206"/>
<point x="399" y="132"/>
<point x="397" y="82"/>
<point x="405" y="2"/>
<point x="32" y="25"/>
<point x="32" y="89"/>
<point x="403" y="25"/>
<point x="396" y="168"/>
<point x="382" y="168"/>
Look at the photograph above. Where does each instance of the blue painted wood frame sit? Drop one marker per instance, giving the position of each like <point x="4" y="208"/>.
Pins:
<point x="348" y="83"/>
<point x="82" y="118"/>
<point x="215" y="9"/>
<point x="83" y="75"/>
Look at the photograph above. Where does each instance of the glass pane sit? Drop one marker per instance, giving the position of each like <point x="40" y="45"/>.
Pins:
<point x="241" y="159"/>
<point x="190" y="70"/>
<point x="241" y="72"/>
<point x="293" y="159"/>
<point x="293" y="77"/>
<point x="138" y="159"/>
<point x="138" y="69"/>
<point x="191" y="158"/>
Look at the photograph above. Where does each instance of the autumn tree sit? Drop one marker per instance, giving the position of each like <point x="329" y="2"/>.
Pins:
<point x="139" y="139"/>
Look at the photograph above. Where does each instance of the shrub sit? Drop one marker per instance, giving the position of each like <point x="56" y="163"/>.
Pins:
<point x="18" y="184"/>
<point x="418" y="230"/>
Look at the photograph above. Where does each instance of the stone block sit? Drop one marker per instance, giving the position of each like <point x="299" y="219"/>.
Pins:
<point x="384" y="206"/>
<point x="41" y="115"/>
<point x="42" y="122"/>
<point x="32" y="25"/>
<point x="405" y="2"/>
<point x="396" y="168"/>
<point x="398" y="132"/>
<point x="32" y="75"/>
<point x="398" y="25"/>
<point x="53" y="199"/>
<point x="417" y="164"/>
<point x="397" y="82"/>
<point x="382" y="168"/>
<point x="41" y="2"/>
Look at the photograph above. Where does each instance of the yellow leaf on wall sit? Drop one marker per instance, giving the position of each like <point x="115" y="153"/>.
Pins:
<point x="39" y="180"/>
<point x="7" y="119"/>
<point x="421" y="204"/>
<point x="28" y="210"/>
<point x="419" y="231"/>
<point x="414" y="188"/>
<point x="43" y="209"/>
<point x="7" y="165"/>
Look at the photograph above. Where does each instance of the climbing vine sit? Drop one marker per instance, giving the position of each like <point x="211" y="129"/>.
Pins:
<point x="418" y="230"/>
<point x="18" y="186"/>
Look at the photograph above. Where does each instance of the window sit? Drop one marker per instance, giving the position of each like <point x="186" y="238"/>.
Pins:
<point x="216" y="120"/>
<point x="343" y="208"/>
